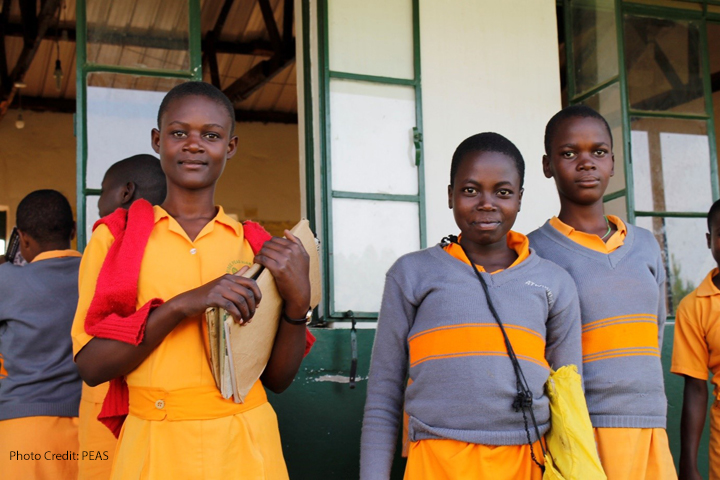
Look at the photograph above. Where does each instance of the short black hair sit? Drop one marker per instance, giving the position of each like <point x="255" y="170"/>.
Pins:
<point x="201" y="89"/>
<point x="46" y="216"/>
<point x="573" y="111"/>
<point x="487" y="142"/>
<point x="712" y="213"/>
<point x="145" y="172"/>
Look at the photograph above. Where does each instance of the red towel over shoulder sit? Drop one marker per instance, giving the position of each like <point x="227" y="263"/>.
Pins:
<point x="112" y="313"/>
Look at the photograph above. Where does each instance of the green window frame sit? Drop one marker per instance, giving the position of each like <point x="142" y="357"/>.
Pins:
<point x="328" y="192"/>
<point x="622" y="8"/>
<point x="83" y="68"/>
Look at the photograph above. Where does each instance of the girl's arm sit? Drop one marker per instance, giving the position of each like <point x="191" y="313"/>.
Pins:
<point x="563" y="337"/>
<point x="289" y="264"/>
<point x="386" y="383"/>
<point x="694" y="409"/>
<point x="103" y="359"/>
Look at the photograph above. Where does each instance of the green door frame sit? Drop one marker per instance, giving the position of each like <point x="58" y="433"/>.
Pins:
<point x="83" y="68"/>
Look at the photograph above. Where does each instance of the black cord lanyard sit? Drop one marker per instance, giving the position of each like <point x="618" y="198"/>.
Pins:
<point x="524" y="398"/>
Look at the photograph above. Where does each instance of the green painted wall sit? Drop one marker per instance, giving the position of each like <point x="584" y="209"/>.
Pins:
<point x="320" y="418"/>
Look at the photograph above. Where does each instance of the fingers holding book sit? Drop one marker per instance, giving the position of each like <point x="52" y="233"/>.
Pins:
<point x="289" y="263"/>
<point x="239" y="295"/>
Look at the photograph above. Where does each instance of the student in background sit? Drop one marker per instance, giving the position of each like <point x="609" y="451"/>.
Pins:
<point x="139" y="176"/>
<point x="146" y="279"/>
<point x="39" y="397"/>
<point x="620" y="279"/>
<point x="695" y="350"/>
<point x="436" y="326"/>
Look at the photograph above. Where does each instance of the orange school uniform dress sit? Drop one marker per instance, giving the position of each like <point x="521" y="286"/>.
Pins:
<point x="441" y="459"/>
<point x="697" y="348"/>
<point x="643" y="451"/>
<point x="178" y="425"/>
<point x="97" y="443"/>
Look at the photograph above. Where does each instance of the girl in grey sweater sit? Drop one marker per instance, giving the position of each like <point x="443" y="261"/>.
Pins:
<point x="436" y="327"/>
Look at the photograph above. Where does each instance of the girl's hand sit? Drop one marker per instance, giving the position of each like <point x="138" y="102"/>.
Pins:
<point x="238" y="295"/>
<point x="289" y="263"/>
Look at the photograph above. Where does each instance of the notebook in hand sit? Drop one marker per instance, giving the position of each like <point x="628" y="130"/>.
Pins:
<point x="239" y="354"/>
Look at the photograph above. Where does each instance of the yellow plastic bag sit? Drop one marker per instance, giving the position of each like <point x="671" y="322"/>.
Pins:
<point x="572" y="452"/>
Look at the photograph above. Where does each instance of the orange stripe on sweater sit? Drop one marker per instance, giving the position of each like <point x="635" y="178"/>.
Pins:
<point x="476" y="340"/>
<point x="620" y="337"/>
<point x="621" y="318"/>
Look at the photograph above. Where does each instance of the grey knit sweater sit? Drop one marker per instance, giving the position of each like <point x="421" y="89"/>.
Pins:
<point x="435" y="325"/>
<point x="623" y="315"/>
<point x="37" y="306"/>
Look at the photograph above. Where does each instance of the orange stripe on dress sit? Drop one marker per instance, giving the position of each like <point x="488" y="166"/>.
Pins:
<point x="483" y="339"/>
<point x="624" y="336"/>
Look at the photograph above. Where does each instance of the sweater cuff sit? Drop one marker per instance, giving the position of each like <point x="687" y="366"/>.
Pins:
<point x="125" y="329"/>
<point x="115" y="406"/>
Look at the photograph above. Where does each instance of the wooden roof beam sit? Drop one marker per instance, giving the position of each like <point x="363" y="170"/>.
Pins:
<point x="256" y="77"/>
<point x="270" y="25"/>
<point x="46" y="16"/>
<point x="4" y="75"/>
<point x="210" y="44"/>
<point x="266" y="70"/>
<point x="139" y="38"/>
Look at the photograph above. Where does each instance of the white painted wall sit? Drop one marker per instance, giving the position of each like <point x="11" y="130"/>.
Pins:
<point x="488" y="65"/>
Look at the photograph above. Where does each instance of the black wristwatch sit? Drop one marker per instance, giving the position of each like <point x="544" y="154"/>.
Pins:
<point x="299" y="321"/>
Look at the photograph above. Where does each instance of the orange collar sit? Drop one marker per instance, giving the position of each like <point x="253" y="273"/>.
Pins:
<point x="707" y="288"/>
<point x="592" y="241"/>
<point x="56" y="254"/>
<point x="515" y="240"/>
<point x="221" y="217"/>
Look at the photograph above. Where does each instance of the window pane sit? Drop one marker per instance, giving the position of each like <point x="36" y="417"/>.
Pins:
<point x="671" y="165"/>
<point x="119" y="119"/>
<point x="617" y="207"/>
<point x="663" y="65"/>
<point x="607" y="103"/>
<point x="138" y="34"/>
<point x="91" y="215"/>
<point x="368" y="236"/>
<point x="594" y="42"/>
<point x="687" y="258"/>
<point x="713" y="32"/>
<point x="371" y="132"/>
<point x="371" y="37"/>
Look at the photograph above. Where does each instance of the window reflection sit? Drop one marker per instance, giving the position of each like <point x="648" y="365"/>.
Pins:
<point x="662" y="58"/>
<point x="685" y="254"/>
<point x="671" y="165"/>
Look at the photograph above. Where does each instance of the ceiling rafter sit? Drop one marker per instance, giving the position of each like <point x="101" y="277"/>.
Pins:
<point x="210" y="44"/>
<point x="39" y="24"/>
<point x="4" y="16"/>
<point x="266" y="70"/>
<point x="270" y="25"/>
<point x="141" y="38"/>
